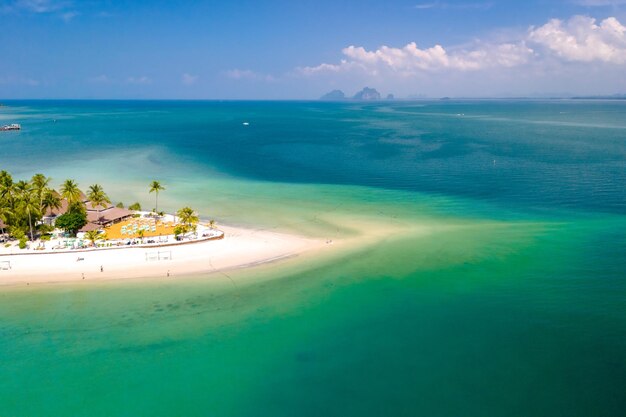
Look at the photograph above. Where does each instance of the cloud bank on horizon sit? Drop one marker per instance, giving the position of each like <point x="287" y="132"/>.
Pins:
<point x="579" y="40"/>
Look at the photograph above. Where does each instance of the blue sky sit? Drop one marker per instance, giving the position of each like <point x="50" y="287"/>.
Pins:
<point x="302" y="49"/>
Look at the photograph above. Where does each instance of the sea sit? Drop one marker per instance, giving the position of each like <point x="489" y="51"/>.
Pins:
<point x="496" y="285"/>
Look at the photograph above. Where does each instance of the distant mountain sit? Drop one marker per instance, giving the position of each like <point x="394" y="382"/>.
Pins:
<point x="334" y="96"/>
<point x="610" y="97"/>
<point x="367" y="94"/>
<point x="390" y="96"/>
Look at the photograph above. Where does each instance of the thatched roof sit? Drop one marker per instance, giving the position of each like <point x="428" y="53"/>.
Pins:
<point x="89" y="227"/>
<point x="109" y="215"/>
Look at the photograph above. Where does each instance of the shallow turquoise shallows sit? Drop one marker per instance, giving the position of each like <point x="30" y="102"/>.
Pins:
<point x="500" y="289"/>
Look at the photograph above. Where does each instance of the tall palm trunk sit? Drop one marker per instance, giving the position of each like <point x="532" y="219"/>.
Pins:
<point x="157" y="203"/>
<point x="30" y="224"/>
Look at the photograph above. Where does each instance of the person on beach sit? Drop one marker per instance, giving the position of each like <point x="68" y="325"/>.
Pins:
<point x="101" y="268"/>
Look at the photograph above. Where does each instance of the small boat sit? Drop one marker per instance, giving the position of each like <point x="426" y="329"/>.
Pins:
<point x="13" y="126"/>
<point x="246" y="124"/>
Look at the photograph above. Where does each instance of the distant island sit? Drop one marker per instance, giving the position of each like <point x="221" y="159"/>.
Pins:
<point x="608" y="97"/>
<point x="334" y="95"/>
<point x="365" y="94"/>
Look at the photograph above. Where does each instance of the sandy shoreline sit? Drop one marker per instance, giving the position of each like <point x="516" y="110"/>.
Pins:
<point x="240" y="248"/>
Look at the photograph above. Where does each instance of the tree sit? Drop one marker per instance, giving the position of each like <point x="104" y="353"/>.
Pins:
<point x="40" y="187"/>
<point x="71" y="192"/>
<point x="119" y="205"/>
<point x="98" y="197"/>
<point x="28" y="204"/>
<point x="5" y="213"/>
<point x="71" y="222"/>
<point x="93" y="236"/>
<point x="50" y="200"/>
<point x="155" y="187"/>
<point x="212" y="224"/>
<point x="135" y="207"/>
<point x="7" y="200"/>
<point x="6" y="189"/>
<point x="188" y="218"/>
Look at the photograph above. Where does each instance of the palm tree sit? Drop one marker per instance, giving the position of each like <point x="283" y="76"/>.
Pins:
<point x="212" y="224"/>
<point x="5" y="213"/>
<point x="27" y="203"/>
<point x="50" y="200"/>
<point x="40" y="185"/>
<point x="187" y="217"/>
<point x="93" y="236"/>
<point x="155" y="187"/>
<point x="71" y="192"/>
<point x="6" y="190"/>
<point x="97" y="197"/>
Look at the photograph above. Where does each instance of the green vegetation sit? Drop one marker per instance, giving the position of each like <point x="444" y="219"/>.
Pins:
<point x="24" y="203"/>
<point x="188" y="219"/>
<point x="71" y="222"/>
<point x="119" y="205"/>
<point x="98" y="197"/>
<point x="155" y="187"/>
<point x="93" y="236"/>
<point x="71" y="192"/>
<point x="135" y="207"/>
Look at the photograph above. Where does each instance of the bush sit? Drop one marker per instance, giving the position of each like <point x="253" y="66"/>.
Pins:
<point x="71" y="222"/>
<point x="179" y="230"/>
<point x="22" y="243"/>
<point x="135" y="206"/>
<point x="17" y="233"/>
<point x="119" y="205"/>
<point x="45" y="228"/>
<point x="46" y="238"/>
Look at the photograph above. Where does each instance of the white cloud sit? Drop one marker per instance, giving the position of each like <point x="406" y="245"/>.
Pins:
<point x="454" y="6"/>
<point x="41" y="6"/>
<point x="425" y="6"/>
<point x="100" y="79"/>
<point x="581" y="39"/>
<point x="19" y="81"/>
<point x="238" y="74"/>
<point x="188" y="79"/>
<point x="68" y="16"/>
<point x="600" y="3"/>
<point x="142" y="80"/>
<point x="410" y="59"/>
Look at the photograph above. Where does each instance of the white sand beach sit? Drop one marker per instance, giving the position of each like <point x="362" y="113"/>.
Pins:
<point x="239" y="248"/>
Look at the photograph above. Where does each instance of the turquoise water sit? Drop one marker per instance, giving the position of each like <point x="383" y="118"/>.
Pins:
<point x="499" y="291"/>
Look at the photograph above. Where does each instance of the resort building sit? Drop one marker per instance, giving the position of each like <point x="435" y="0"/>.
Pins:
<point x="97" y="217"/>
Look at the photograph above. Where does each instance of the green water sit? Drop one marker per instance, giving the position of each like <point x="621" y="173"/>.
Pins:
<point x="500" y="292"/>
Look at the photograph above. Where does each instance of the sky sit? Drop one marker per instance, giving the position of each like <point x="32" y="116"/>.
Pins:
<point x="280" y="49"/>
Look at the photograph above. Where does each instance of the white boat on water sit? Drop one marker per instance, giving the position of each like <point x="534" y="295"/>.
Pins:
<point x="13" y="126"/>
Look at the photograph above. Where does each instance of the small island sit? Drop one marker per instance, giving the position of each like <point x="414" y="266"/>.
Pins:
<point x="366" y="94"/>
<point x="335" y="95"/>
<point x="49" y="235"/>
